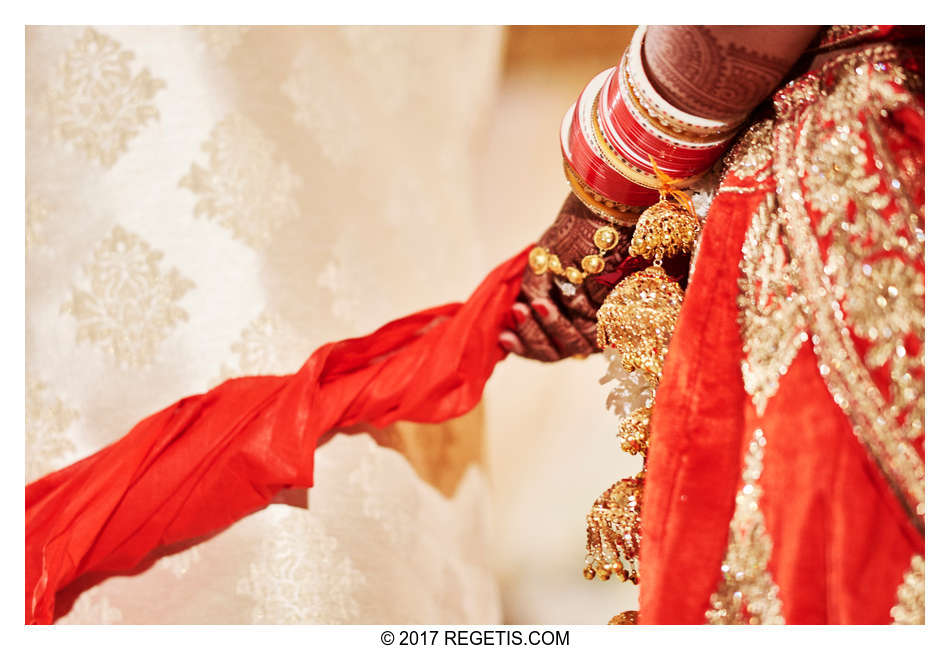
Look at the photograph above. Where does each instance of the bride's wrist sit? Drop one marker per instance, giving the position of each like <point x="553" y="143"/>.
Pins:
<point x="721" y="72"/>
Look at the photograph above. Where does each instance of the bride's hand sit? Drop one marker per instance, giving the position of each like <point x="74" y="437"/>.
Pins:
<point x="552" y="318"/>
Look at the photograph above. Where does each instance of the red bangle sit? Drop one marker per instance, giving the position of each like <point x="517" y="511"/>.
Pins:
<point x="582" y="153"/>
<point x="636" y="141"/>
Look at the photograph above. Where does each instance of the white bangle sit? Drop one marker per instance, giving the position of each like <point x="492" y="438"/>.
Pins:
<point x="662" y="111"/>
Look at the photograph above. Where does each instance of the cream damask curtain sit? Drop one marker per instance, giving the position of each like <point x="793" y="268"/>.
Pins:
<point x="206" y="202"/>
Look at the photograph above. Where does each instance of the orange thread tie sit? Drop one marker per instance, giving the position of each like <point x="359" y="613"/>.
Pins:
<point x="667" y="189"/>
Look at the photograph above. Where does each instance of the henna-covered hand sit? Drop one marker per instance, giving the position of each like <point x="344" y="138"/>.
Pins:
<point x="552" y="318"/>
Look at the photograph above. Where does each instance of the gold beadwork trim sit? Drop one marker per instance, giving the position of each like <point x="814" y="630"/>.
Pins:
<point x="909" y="608"/>
<point x="771" y="320"/>
<point x="747" y="594"/>
<point x="541" y="260"/>
<point x="846" y="375"/>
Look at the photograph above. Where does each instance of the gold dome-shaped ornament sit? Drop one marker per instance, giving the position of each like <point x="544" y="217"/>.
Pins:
<point x="629" y="617"/>
<point x="606" y="237"/>
<point x="538" y="260"/>
<point x="613" y="532"/>
<point x="593" y="264"/>
<point x="574" y="275"/>
<point x="541" y="260"/>
<point x="638" y="317"/>
<point x="664" y="229"/>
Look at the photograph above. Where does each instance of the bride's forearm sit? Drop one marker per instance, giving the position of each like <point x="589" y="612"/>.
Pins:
<point x="721" y="71"/>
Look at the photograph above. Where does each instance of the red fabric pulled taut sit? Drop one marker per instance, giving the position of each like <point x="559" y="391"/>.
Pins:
<point x="208" y="460"/>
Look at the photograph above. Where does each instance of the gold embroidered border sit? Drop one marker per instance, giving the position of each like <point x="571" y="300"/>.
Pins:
<point x="770" y="306"/>
<point x="909" y="608"/>
<point x="747" y="594"/>
<point x="846" y="374"/>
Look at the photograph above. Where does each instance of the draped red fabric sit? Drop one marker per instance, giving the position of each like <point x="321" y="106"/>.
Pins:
<point x="842" y="532"/>
<point x="208" y="460"/>
<point x="697" y="430"/>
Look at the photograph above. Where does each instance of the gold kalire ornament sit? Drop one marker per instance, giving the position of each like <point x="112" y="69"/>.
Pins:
<point x="637" y="319"/>
<point x="664" y="229"/>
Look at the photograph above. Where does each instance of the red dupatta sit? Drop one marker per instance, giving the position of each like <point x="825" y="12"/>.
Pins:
<point x="208" y="460"/>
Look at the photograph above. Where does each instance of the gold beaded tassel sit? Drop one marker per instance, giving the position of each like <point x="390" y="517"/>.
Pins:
<point x="613" y="532"/>
<point x="637" y="318"/>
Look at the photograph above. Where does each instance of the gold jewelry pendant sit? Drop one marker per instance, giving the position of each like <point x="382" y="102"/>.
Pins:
<point x="613" y="532"/>
<point x="638" y="318"/>
<point x="664" y="229"/>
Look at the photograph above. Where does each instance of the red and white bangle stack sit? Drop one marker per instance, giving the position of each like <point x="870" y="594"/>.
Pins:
<point x="601" y="187"/>
<point x="620" y="131"/>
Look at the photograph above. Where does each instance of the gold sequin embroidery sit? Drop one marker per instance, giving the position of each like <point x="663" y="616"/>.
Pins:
<point x="770" y="307"/>
<point x="864" y="295"/>
<point x="751" y="155"/>
<point x="909" y="609"/>
<point x="747" y="594"/>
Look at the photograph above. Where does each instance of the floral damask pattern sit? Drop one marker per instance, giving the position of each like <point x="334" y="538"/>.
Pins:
<point x="264" y="347"/>
<point x="129" y="305"/>
<point x="289" y="586"/>
<point x="47" y="422"/>
<point x="37" y="213"/>
<point x="244" y="187"/>
<point x="96" y="102"/>
<point x="317" y="88"/>
<point x="221" y="39"/>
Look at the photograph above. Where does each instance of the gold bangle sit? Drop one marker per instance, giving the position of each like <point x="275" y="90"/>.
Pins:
<point x="618" y="214"/>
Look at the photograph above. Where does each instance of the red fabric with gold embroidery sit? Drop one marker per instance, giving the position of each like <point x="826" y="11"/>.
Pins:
<point x="841" y="484"/>
<point x="842" y="465"/>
